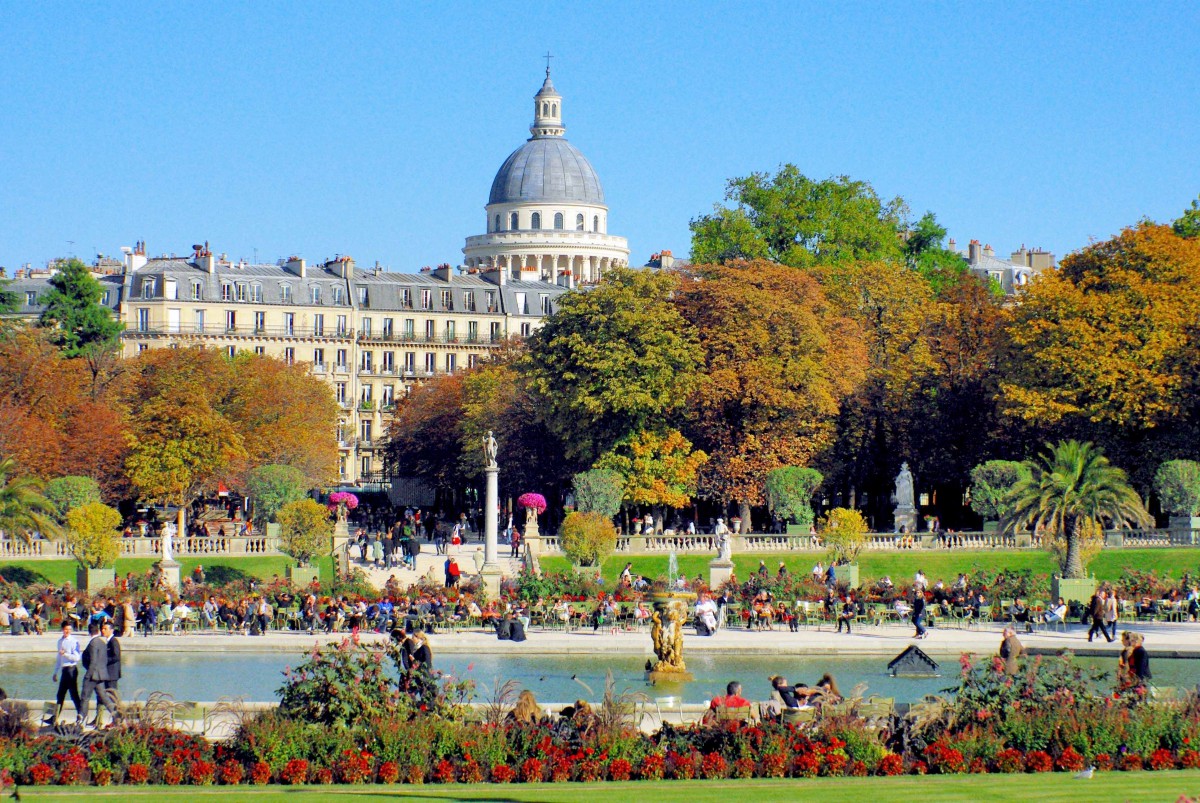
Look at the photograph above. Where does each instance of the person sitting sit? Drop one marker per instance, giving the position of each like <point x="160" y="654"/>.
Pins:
<point x="526" y="711"/>
<point x="1020" y="613"/>
<point x="788" y="616"/>
<point x="1057" y="613"/>
<point x="641" y="613"/>
<point x="731" y="699"/>
<point x="706" y="616"/>
<point x="580" y="715"/>
<point x="764" y="614"/>
<point x="847" y="614"/>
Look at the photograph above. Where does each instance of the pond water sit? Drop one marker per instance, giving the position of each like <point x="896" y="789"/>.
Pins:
<point x="553" y="678"/>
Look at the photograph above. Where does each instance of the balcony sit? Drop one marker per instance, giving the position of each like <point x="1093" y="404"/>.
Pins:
<point x="221" y="330"/>
<point x="437" y="340"/>
<point x="318" y="368"/>
<point x="341" y="368"/>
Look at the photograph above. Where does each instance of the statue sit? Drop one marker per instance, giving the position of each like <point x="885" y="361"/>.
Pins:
<point x="167" y="533"/>
<point x="904" y="488"/>
<point x="490" y="451"/>
<point x="724" y="545"/>
<point x="668" y="639"/>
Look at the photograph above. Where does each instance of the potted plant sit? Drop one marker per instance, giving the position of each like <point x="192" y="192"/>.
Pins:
<point x="91" y="535"/>
<point x="587" y="539"/>
<point x="1178" y="485"/>
<point x="533" y="504"/>
<point x="844" y="532"/>
<point x="305" y="532"/>
<point x="789" y="493"/>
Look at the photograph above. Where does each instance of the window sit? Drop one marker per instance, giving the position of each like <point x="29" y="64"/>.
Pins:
<point x="241" y="291"/>
<point x="410" y="362"/>
<point x="451" y="363"/>
<point x="368" y="391"/>
<point x="338" y="298"/>
<point x="142" y="347"/>
<point x="388" y="399"/>
<point x="490" y="300"/>
<point x="469" y="301"/>
<point x="526" y="329"/>
<point x="447" y="301"/>
<point x="388" y="329"/>
<point x="430" y="362"/>
<point x="535" y="221"/>
<point x="426" y="299"/>
<point x="341" y="325"/>
<point x="339" y="392"/>
<point x="389" y="362"/>
<point x="545" y="303"/>
<point x="143" y="320"/>
<point x="366" y="327"/>
<point x="226" y="292"/>
<point x="285" y="293"/>
<point x="231" y="351"/>
<point x="363" y="297"/>
<point x="368" y="362"/>
<point x="342" y="365"/>
<point x="147" y="288"/>
<point x="256" y="293"/>
<point x="522" y="305"/>
<point x="558" y="221"/>
<point x="409" y="330"/>
<point x="230" y="320"/>
<point x="318" y="325"/>
<point x="494" y="332"/>
<point x="197" y="289"/>
<point x="289" y="323"/>
<point x="579" y="222"/>
<point x="430" y="330"/>
<point x="513" y="221"/>
<point x="472" y="360"/>
<point x="104" y="299"/>
<point x="170" y="290"/>
<point x="173" y="320"/>
<point x="341" y="432"/>
<point x="366" y="440"/>
<point x="319" y="359"/>
<point x="366" y="463"/>
<point x="595" y="223"/>
<point x="496" y="226"/>
<point x="199" y="320"/>
<point x="316" y="294"/>
<point x="472" y="331"/>
<point x="406" y="298"/>
<point x="450" y="332"/>
<point x="260" y="351"/>
<point x="30" y="298"/>
<point x="260" y="322"/>
<point x="289" y="355"/>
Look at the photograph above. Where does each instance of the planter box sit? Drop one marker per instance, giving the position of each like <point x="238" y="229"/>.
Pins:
<point x="1078" y="589"/>
<point x="847" y="575"/>
<point x="798" y="529"/>
<point x="1114" y="538"/>
<point x="928" y="541"/>
<point x="302" y="576"/>
<point x="1023" y="540"/>
<point x="991" y="526"/>
<point x="1184" y="530"/>
<point x="94" y="579"/>
<point x="274" y="529"/>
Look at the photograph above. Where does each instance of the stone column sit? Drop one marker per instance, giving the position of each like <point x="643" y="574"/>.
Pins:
<point x="168" y="565"/>
<point x="490" y="573"/>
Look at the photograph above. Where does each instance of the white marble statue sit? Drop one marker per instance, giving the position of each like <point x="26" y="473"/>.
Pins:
<point x="904" y="488"/>
<point x="490" y="451"/>
<point x="724" y="544"/>
<point x="167" y="535"/>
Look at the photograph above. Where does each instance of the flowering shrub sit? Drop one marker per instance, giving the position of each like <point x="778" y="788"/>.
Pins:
<point x="978" y="767"/>
<point x="943" y="759"/>
<point x="388" y="772"/>
<point x="471" y="772"/>
<point x="919" y="768"/>
<point x="1131" y="762"/>
<point x="413" y="775"/>
<point x="1010" y="760"/>
<point x="891" y="764"/>
<point x="591" y="770"/>
<point x="260" y="773"/>
<point x="201" y="772"/>
<point x="295" y="772"/>
<point x="532" y="770"/>
<point x="502" y="773"/>
<point x="652" y="768"/>
<point x="806" y="765"/>
<point x="138" y="774"/>
<point x="172" y="774"/>
<point x="1069" y="761"/>
<point x="444" y="772"/>
<point x="232" y="772"/>
<point x="101" y="776"/>
<point x="713" y="766"/>
<point x="531" y="500"/>
<point x="1103" y="761"/>
<point x="1161" y="759"/>
<point x="742" y="768"/>
<point x="41" y="774"/>
<point x="1038" y="761"/>
<point x="353" y="767"/>
<point x="1189" y="759"/>
<point x="323" y="776"/>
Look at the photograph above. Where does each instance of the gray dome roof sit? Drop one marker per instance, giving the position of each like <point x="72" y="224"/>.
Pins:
<point x="546" y="169"/>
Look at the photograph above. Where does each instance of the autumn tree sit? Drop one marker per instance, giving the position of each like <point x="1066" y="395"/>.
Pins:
<point x="587" y="538"/>
<point x="798" y="221"/>
<point x="305" y="530"/>
<point x="659" y="469"/>
<point x="424" y="439"/>
<point x="779" y="359"/>
<point x="612" y="361"/>
<point x="1106" y="348"/>
<point x="92" y="533"/>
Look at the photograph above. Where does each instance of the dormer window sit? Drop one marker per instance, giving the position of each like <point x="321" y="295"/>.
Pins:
<point x="227" y="292"/>
<point x="447" y="301"/>
<point x="337" y="296"/>
<point x="285" y="293"/>
<point x="147" y="288"/>
<point x="197" y="290"/>
<point x="364" y="298"/>
<point x="256" y="293"/>
<point x="406" y="298"/>
<point x="426" y="300"/>
<point x="316" y="294"/>
<point x="241" y="291"/>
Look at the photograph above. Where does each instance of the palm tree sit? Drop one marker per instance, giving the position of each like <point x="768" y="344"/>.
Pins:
<point x="1071" y="484"/>
<point x="23" y="508"/>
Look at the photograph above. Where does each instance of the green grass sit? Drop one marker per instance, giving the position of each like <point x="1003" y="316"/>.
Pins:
<point x="937" y="564"/>
<point x="261" y="566"/>
<point x="1045" y="788"/>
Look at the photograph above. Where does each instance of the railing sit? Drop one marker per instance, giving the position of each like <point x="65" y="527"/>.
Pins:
<point x="221" y="330"/>
<point x="455" y="340"/>
<point x="149" y="547"/>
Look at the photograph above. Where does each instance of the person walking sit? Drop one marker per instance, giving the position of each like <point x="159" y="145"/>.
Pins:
<point x="113" y="659"/>
<point x="66" y="672"/>
<point x="1010" y="650"/>
<point x="917" y="614"/>
<point x="1096" y="612"/>
<point x="1111" y="614"/>
<point x="95" y="663"/>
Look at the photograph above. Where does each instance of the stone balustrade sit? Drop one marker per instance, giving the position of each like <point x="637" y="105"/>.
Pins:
<point x="141" y="547"/>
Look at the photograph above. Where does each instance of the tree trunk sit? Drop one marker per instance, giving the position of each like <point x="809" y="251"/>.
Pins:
<point x="744" y="513"/>
<point x="1073" y="567"/>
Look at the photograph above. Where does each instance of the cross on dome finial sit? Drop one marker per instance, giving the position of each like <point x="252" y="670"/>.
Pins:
<point x="548" y="57"/>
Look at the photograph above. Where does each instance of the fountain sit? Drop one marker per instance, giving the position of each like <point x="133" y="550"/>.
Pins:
<point x="671" y="610"/>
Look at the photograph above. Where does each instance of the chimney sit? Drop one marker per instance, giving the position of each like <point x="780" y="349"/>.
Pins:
<point x="203" y="258"/>
<point x="345" y="267"/>
<point x="973" y="252"/>
<point x="953" y="245"/>
<point x="494" y="274"/>
<point x="988" y="252"/>
<point x="134" y="257"/>
<point x="295" y="265"/>
<point x="443" y="272"/>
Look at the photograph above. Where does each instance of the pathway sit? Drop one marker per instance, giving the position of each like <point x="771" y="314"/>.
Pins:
<point x="432" y="565"/>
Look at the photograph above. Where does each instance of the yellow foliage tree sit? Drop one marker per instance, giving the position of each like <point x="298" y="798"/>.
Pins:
<point x="845" y="534"/>
<point x="658" y="469"/>
<point x="92" y="535"/>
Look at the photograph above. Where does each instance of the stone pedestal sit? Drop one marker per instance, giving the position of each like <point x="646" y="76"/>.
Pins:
<point x="170" y="574"/>
<point x="341" y="536"/>
<point x="719" y="572"/>
<point x="490" y="573"/>
<point x="906" y="518"/>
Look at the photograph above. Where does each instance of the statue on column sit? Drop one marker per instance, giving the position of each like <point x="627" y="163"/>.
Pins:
<point x="904" y="488"/>
<point x="490" y="451"/>
<point x="168" y="533"/>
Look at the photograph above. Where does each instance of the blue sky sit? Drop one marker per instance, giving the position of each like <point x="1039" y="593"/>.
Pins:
<point x="375" y="129"/>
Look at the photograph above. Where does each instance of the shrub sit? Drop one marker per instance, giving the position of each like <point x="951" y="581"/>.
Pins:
<point x="68" y="493"/>
<point x="1178" y="485"/>
<point x="774" y="766"/>
<point x="92" y="535"/>
<point x="232" y="772"/>
<point x="388" y="772"/>
<point x="260" y="773"/>
<point x="713" y="766"/>
<point x="622" y="770"/>
<point x="353" y="767"/>
<point x="172" y="774"/>
<point x="591" y="770"/>
<point x="443" y="772"/>
<point x="272" y="487"/>
<point x="806" y="765"/>
<point x="1131" y="762"/>
<point x="790" y="490"/>
<point x="341" y="685"/>
<point x="587" y="538"/>
<point x="201" y="772"/>
<point x="845" y="533"/>
<point x="1189" y="759"/>
<point x="323" y="776"/>
<point x="138" y="774"/>
<point x="1103" y="761"/>
<point x="891" y="764"/>
<point x="532" y="770"/>
<point x="502" y="773"/>
<point x="305" y="530"/>
<point x="41" y="774"/>
<point x="415" y="775"/>
<point x="991" y="483"/>
<point x="919" y="768"/>
<point x="295" y="772"/>
<point x="1038" y="761"/>
<point x="1070" y="760"/>
<point x="599" y="490"/>
<point x="1161" y="759"/>
<point x="652" y="768"/>
<point x="1010" y="760"/>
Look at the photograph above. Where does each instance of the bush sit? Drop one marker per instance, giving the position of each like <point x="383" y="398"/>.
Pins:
<point x="273" y="487"/>
<point x="599" y="490"/>
<point x="92" y="535"/>
<point x="991" y="483"/>
<point x="305" y="530"/>
<point x="1178" y="485"/>
<point x="845" y="534"/>
<point x="68" y="493"/>
<point x="587" y="538"/>
<point x="341" y="685"/>
<point x="790" y="490"/>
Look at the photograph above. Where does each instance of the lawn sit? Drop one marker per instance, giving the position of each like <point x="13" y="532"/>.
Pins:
<point x="937" y="564"/>
<point x="260" y="566"/>
<point x="1046" y="788"/>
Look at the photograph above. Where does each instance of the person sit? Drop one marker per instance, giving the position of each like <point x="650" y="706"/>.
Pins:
<point x="1057" y="613"/>
<point x="514" y="541"/>
<point x="830" y="576"/>
<point x="66" y="672"/>
<point x="113" y="650"/>
<point x="422" y="654"/>
<point x="147" y="616"/>
<point x="452" y="573"/>
<point x="627" y="575"/>
<point x="1019" y="612"/>
<point x="1111" y="608"/>
<point x="818" y="571"/>
<point x="849" y="611"/>
<point x="920" y="581"/>
<point x="763" y="572"/>
<point x="1096" y="611"/>
<point x="478" y="558"/>
<point x="1010" y="650"/>
<point x="706" y="616"/>
<point x="1125" y="677"/>
<point x="732" y="698"/>
<point x="783" y="571"/>
<point x="95" y="678"/>
<point x="917" y="615"/>
<point x="526" y="711"/>
<point x="1139" y="660"/>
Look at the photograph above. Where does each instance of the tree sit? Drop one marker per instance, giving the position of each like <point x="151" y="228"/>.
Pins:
<point x="424" y="440"/>
<point x="82" y="326"/>
<point x="612" y="361"/>
<point x="587" y="538"/>
<point x="68" y="493"/>
<point x="991" y="487"/>
<point x="272" y="487"/>
<point x="659" y="470"/>
<point x="305" y="530"/>
<point x="794" y="220"/>
<point x="10" y="301"/>
<point x="790" y="490"/>
<point x="925" y="253"/>
<point x="844" y="532"/>
<point x="599" y="490"/>
<point x="1188" y="225"/>
<point x="1178" y="485"/>
<point x="92" y="535"/>
<point x="1072" y="485"/>
<point x="779" y="359"/>
<point x="24" y="508"/>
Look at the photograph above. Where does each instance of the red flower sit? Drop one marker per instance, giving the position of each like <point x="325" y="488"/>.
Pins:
<point x="891" y="764"/>
<point x="295" y="772"/>
<point x="502" y="773"/>
<point x="1038" y="761"/>
<point x="621" y="770"/>
<point x="1070" y="761"/>
<point x="388" y="772"/>
<point x="137" y="773"/>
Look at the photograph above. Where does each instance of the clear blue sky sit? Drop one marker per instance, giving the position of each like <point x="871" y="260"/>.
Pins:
<point x="375" y="129"/>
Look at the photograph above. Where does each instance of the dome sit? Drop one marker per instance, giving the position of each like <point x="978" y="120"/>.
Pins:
<point x="546" y="169"/>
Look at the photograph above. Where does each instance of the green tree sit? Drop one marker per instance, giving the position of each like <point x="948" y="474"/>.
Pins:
<point x="587" y="538"/>
<point x="844" y="532"/>
<point x="1178" y="485"/>
<point x="1072" y="488"/>
<point x="599" y="490"/>
<point x="24" y="508"/>
<point x="272" y="487"/>
<point x="68" y="493"/>
<point x="10" y="301"/>
<point x="991" y="487"/>
<point x="926" y="254"/>
<point x="83" y="327"/>
<point x="1188" y="225"/>
<point x="612" y="361"/>
<point x="790" y="490"/>
<point x="92" y="535"/>
<point x="305" y="530"/>
<point x="794" y="220"/>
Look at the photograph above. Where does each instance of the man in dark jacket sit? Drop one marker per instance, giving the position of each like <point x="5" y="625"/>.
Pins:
<point x="114" y="669"/>
<point x="918" y="613"/>
<point x="1096" y="612"/>
<point x="95" y="661"/>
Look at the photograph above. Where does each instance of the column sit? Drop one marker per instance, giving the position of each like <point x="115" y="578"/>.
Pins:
<point x="490" y="573"/>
